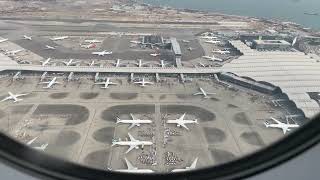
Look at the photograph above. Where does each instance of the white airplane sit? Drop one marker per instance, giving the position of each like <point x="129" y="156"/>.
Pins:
<point x="106" y="83"/>
<point x="155" y="54"/>
<point x="91" y="64"/>
<point x="212" y="58"/>
<point x="17" y="76"/>
<point x="3" y="40"/>
<point x="13" y="52"/>
<point x="13" y="97"/>
<point x="208" y="37"/>
<point x="139" y="63"/>
<point x="92" y="41"/>
<point x="102" y="53"/>
<point x="117" y="63"/>
<point x="221" y="51"/>
<point x="193" y="166"/>
<point x="143" y="82"/>
<point x="27" y="37"/>
<point x="163" y="64"/>
<point x="181" y="122"/>
<point x="201" y="64"/>
<point x="50" y="83"/>
<point x="284" y="126"/>
<point x="135" y="42"/>
<point x="204" y="93"/>
<point x="41" y="148"/>
<point x="185" y="41"/>
<point x="190" y="48"/>
<point x="59" y="38"/>
<point x="70" y="62"/>
<point x="70" y="76"/>
<point x="43" y="76"/>
<point x="44" y="63"/>
<point x="212" y="42"/>
<point x="88" y="46"/>
<point x="50" y="47"/>
<point x="133" y="143"/>
<point x="133" y="169"/>
<point x="134" y="121"/>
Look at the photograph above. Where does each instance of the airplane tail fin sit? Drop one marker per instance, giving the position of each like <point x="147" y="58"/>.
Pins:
<point x="118" y="120"/>
<point x="44" y="146"/>
<point x="17" y="100"/>
<point x="266" y="124"/>
<point x="196" y="121"/>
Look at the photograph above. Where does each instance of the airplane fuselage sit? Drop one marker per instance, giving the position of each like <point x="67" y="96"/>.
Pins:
<point x="138" y="171"/>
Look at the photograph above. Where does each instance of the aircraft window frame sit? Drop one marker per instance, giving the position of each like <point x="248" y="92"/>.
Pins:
<point x="38" y="164"/>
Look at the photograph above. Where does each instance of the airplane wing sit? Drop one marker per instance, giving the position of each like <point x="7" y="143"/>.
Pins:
<point x="129" y="165"/>
<point x="5" y="99"/>
<point x="132" y="125"/>
<point x="130" y="148"/>
<point x="44" y="82"/>
<point x="31" y="141"/>
<point x="278" y="122"/>
<point x="131" y="137"/>
<point x="17" y="95"/>
<point x="133" y="117"/>
<point x="198" y="93"/>
<point x="183" y="125"/>
<point x="194" y="164"/>
<point x="182" y="117"/>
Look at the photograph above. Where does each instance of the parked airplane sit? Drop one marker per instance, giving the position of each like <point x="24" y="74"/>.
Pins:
<point x="212" y="58"/>
<point x="92" y="41"/>
<point x="117" y="63"/>
<point x="135" y="42"/>
<point x="212" y="42"/>
<point x="190" y="48"/>
<point x="134" y="121"/>
<point x="201" y="64"/>
<point x="139" y="63"/>
<point x="133" y="169"/>
<point x="41" y="148"/>
<point x="88" y="46"/>
<point x="155" y="54"/>
<point x="27" y="37"/>
<point x="50" y="47"/>
<point x="70" y="76"/>
<point x="221" y="51"/>
<point x="17" y="76"/>
<point x="59" y="38"/>
<point x="102" y="53"/>
<point x="3" y="40"/>
<point x="43" y="76"/>
<point x="284" y="126"/>
<point x="13" y="52"/>
<point x="208" y="37"/>
<point x="50" y="83"/>
<point x="91" y="64"/>
<point x="143" y="82"/>
<point x="106" y="83"/>
<point x="70" y="62"/>
<point x="193" y="166"/>
<point x="204" y="93"/>
<point x="13" y="97"/>
<point x="181" y="122"/>
<point x="133" y="143"/>
<point x="163" y="64"/>
<point x="44" y="63"/>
